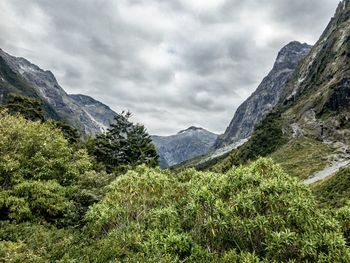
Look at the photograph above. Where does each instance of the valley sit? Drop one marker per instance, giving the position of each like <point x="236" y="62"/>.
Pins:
<point x="80" y="182"/>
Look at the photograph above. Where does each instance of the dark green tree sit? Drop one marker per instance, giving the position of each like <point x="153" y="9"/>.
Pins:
<point x="31" y="109"/>
<point x="125" y="144"/>
<point x="70" y="133"/>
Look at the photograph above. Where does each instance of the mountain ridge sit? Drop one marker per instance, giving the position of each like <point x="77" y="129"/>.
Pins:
<point x="266" y="96"/>
<point x="20" y="76"/>
<point x="186" y="144"/>
<point x="313" y="111"/>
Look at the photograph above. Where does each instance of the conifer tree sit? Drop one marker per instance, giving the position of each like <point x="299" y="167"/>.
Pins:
<point x="30" y="108"/>
<point x="125" y="144"/>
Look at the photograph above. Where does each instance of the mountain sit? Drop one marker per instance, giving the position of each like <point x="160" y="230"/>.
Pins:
<point x="255" y="108"/>
<point x="19" y="76"/>
<point x="316" y="101"/>
<point x="265" y="97"/>
<point x="308" y="132"/>
<point x="184" y="145"/>
<point x="97" y="111"/>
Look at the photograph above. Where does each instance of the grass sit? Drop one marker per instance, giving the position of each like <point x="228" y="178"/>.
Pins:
<point x="302" y="157"/>
<point x="266" y="139"/>
<point x="334" y="191"/>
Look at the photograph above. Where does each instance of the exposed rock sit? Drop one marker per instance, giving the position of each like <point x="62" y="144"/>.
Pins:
<point x="184" y="145"/>
<point x="100" y="113"/>
<point x="267" y="95"/>
<point x="20" y="76"/>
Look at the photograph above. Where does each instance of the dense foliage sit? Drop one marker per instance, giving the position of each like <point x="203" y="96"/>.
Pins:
<point x="125" y="145"/>
<point x="56" y="207"/>
<point x="30" y="108"/>
<point x="249" y="214"/>
<point x="33" y="109"/>
<point x="42" y="177"/>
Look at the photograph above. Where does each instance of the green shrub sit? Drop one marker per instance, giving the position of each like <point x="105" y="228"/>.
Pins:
<point x="40" y="243"/>
<point x="252" y="213"/>
<point x="40" y="174"/>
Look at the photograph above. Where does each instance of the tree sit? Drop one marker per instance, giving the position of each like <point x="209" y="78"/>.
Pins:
<point x="30" y="108"/>
<point x="125" y="144"/>
<point x="38" y="170"/>
<point x="70" y="133"/>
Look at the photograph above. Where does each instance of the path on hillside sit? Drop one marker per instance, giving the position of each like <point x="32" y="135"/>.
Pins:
<point x="328" y="171"/>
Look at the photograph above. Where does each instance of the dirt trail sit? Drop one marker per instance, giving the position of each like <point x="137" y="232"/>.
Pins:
<point x="328" y="171"/>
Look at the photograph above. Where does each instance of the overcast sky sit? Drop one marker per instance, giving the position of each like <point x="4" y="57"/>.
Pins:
<point x="172" y="63"/>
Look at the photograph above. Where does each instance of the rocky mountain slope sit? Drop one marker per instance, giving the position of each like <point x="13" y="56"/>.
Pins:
<point x="184" y="145"/>
<point x="19" y="76"/>
<point x="265" y="97"/>
<point x="97" y="111"/>
<point x="313" y="112"/>
<point x="255" y="108"/>
<point x="316" y="101"/>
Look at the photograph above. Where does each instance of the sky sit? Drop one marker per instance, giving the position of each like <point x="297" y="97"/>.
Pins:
<point x="172" y="63"/>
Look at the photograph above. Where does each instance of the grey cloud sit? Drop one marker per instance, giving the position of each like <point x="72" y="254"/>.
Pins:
<point x="173" y="64"/>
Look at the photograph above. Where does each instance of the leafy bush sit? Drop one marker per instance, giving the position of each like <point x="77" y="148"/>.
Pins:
<point x="255" y="213"/>
<point x="250" y="214"/>
<point x="27" y="242"/>
<point x="38" y="170"/>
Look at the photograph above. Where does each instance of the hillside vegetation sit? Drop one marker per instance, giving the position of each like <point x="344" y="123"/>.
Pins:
<point x="58" y="204"/>
<point x="334" y="191"/>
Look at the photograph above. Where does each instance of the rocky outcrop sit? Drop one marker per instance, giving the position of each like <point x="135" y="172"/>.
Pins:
<point x="318" y="97"/>
<point x="184" y="145"/>
<point x="266" y="96"/>
<point x="100" y="113"/>
<point x="18" y="75"/>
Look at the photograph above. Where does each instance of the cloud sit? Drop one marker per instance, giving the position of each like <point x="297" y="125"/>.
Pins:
<point x="173" y="63"/>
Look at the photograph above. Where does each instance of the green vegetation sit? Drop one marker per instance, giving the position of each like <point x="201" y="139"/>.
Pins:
<point x="42" y="177"/>
<point x="125" y="145"/>
<point x="266" y="139"/>
<point x="56" y="207"/>
<point x="334" y="191"/>
<point x="30" y="108"/>
<point x="302" y="157"/>
<point x="255" y="212"/>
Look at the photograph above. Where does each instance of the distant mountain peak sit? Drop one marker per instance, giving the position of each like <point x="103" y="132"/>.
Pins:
<point x="266" y="96"/>
<point x="289" y="55"/>
<point x="20" y="76"/>
<point x="185" y="145"/>
<point x="192" y="128"/>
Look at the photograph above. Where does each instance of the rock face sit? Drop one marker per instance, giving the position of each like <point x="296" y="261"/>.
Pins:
<point x="100" y="113"/>
<point x="314" y="105"/>
<point x="266" y="96"/>
<point x="18" y="75"/>
<point x="317" y="98"/>
<point x="184" y="145"/>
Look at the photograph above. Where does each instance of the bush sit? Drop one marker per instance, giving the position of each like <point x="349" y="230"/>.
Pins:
<point x="28" y="242"/>
<point x="38" y="170"/>
<point x="250" y="214"/>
